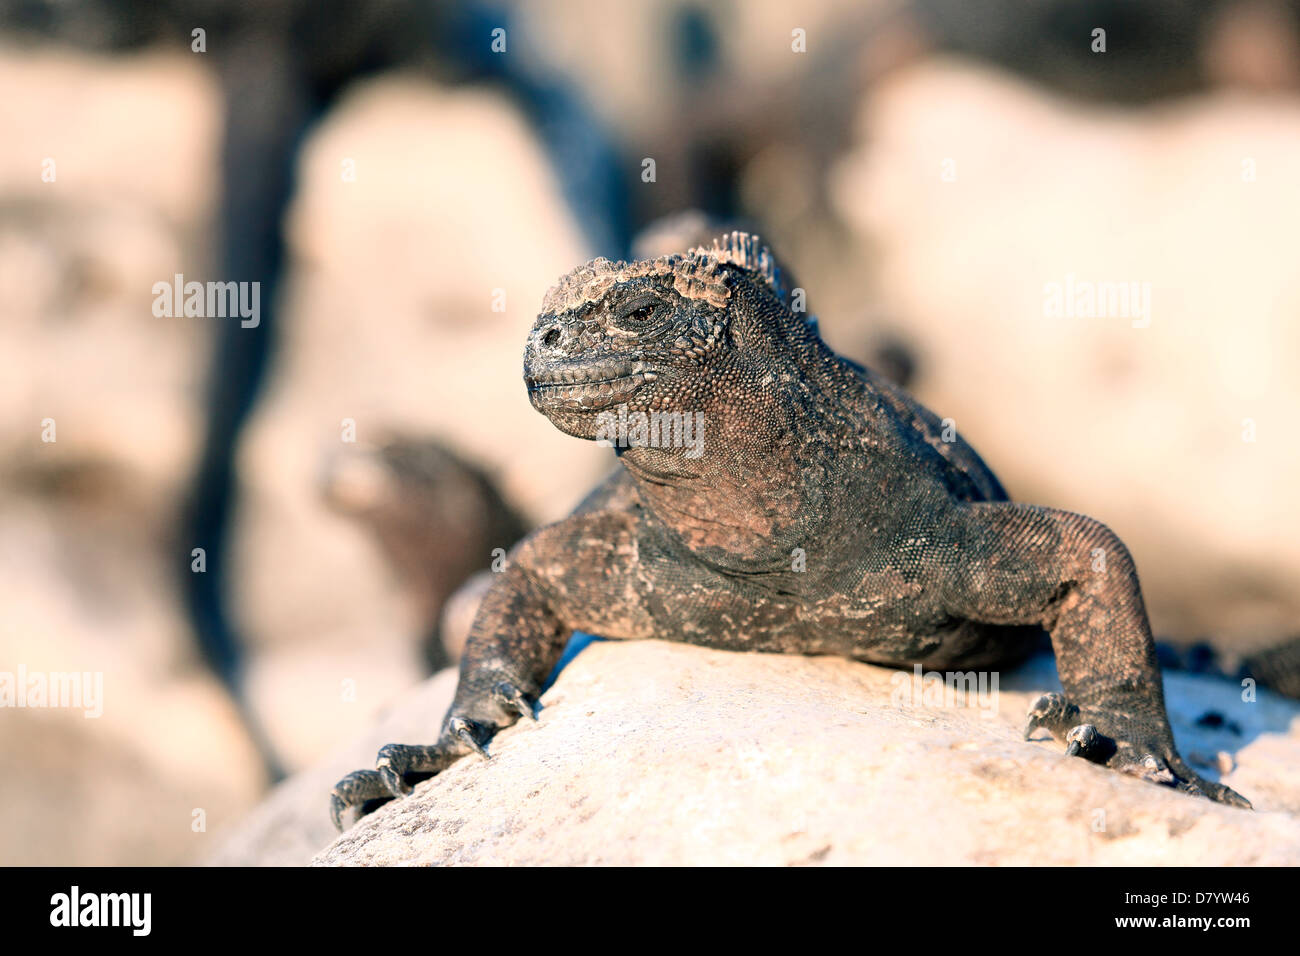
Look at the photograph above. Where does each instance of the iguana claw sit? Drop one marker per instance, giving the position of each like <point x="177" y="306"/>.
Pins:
<point x="1081" y="740"/>
<point x="1047" y="710"/>
<point x="464" y="729"/>
<point x="511" y="696"/>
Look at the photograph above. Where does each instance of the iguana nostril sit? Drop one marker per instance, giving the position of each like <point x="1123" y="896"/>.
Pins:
<point x="551" y="337"/>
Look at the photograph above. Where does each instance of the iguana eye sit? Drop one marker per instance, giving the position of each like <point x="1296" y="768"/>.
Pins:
<point x="639" y="310"/>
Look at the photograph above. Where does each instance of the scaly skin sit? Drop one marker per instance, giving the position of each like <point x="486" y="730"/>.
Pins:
<point x="910" y="551"/>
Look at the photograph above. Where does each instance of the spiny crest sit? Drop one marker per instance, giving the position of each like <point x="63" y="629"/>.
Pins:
<point x="748" y="252"/>
<point x="696" y="275"/>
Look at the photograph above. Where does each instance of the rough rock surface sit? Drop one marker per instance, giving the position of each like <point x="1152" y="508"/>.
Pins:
<point x="656" y="753"/>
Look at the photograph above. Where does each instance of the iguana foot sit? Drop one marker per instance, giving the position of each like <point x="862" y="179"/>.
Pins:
<point x="363" y="790"/>
<point x="1124" y="743"/>
<point x="399" y="767"/>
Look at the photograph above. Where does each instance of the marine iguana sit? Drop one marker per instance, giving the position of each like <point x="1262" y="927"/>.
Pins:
<point x="826" y="512"/>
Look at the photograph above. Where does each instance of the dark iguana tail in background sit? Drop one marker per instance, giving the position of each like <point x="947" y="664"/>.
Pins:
<point x="1276" y="667"/>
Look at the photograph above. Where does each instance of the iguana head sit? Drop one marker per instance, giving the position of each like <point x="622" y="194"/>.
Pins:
<point x="659" y="334"/>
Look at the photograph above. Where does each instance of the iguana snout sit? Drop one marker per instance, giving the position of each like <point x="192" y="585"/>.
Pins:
<point x="616" y="334"/>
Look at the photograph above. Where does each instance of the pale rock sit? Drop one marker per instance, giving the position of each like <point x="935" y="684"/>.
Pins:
<point x="652" y="753"/>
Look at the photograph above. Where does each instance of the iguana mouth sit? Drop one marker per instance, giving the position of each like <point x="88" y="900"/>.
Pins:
<point x="587" y="386"/>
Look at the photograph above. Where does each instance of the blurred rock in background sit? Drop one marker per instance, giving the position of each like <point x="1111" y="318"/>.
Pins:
<point x="88" y="556"/>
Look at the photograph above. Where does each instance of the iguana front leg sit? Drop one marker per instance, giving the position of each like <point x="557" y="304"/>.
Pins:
<point x="1022" y="564"/>
<point x="578" y="574"/>
<point x="516" y="640"/>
